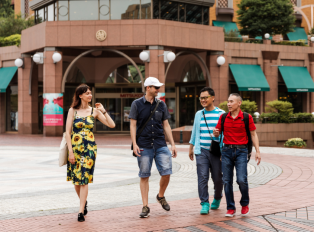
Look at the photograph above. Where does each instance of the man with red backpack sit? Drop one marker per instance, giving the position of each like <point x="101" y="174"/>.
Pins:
<point x="239" y="134"/>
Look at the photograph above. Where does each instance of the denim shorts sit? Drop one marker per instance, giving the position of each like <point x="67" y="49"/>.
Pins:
<point x="163" y="160"/>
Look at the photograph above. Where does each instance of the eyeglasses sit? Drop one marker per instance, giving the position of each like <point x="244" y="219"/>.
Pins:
<point x="204" y="98"/>
<point x="156" y="87"/>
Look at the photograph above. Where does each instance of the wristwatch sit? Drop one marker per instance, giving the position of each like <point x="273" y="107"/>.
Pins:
<point x="105" y="112"/>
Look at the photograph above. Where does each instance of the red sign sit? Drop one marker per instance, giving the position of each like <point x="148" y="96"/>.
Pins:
<point x="131" y="95"/>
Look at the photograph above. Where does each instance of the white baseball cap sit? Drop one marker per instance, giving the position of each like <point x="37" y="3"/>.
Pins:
<point x="152" y="81"/>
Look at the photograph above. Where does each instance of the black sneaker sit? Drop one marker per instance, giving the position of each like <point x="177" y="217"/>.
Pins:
<point x="81" y="217"/>
<point x="85" y="209"/>
<point x="163" y="202"/>
<point x="145" y="212"/>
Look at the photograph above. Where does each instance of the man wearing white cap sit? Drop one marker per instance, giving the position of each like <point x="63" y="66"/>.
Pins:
<point x="150" y="144"/>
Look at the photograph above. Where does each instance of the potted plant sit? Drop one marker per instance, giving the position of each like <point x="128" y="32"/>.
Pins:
<point x="295" y="143"/>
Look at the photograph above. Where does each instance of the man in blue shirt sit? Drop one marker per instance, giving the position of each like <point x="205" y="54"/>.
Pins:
<point x="151" y="145"/>
<point x="201" y="138"/>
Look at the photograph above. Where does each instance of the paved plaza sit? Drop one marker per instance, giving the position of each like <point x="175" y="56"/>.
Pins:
<point x="35" y="196"/>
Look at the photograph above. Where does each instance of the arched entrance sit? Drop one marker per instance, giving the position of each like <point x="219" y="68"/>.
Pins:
<point x="64" y="79"/>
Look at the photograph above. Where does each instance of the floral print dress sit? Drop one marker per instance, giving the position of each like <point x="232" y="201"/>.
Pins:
<point x="84" y="149"/>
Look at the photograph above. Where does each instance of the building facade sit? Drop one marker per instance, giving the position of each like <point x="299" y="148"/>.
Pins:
<point x="100" y="42"/>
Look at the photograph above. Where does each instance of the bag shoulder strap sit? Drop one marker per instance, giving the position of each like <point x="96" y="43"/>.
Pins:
<point x="223" y="118"/>
<point x="246" y="119"/>
<point x="151" y="115"/>
<point x="207" y="125"/>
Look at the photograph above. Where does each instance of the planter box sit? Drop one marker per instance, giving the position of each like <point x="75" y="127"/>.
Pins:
<point x="269" y="134"/>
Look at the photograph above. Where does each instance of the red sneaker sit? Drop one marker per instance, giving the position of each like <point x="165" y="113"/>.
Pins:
<point x="245" y="211"/>
<point x="230" y="213"/>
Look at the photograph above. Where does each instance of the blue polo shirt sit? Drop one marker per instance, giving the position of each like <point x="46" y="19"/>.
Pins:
<point x="153" y="135"/>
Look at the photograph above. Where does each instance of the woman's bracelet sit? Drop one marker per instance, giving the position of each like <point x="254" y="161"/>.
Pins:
<point x="104" y="112"/>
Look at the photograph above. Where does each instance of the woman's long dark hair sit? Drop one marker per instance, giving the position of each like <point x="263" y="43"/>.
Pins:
<point x="76" y="102"/>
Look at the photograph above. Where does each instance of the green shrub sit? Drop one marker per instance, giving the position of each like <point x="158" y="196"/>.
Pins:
<point x="232" y="36"/>
<point x="270" y="117"/>
<point x="292" y="43"/>
<point x="247" y="106"/>
<point x="281" y="107"/>
<point x="304" y="117"/>
<point x="224" y="106"/>
<point x="11" y="40"/>
<point x="295" y="142"/>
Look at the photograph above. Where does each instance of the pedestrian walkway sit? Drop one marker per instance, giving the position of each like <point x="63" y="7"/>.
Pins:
<point x="35" y="197"/>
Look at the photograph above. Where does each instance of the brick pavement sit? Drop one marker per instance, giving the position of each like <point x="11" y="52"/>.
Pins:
<point x="292" y="189"/>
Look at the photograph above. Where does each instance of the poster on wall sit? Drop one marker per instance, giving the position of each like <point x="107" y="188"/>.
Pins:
<point x="162" y="97"/>
<point x="53" y="109"/>
<point x="126" y="114"/>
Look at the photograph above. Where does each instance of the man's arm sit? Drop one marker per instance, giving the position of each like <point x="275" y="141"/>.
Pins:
<point x="136" y="149"/>
<point x="192" y="139"/>
<point x="168" y="131"/>
<point x="256" y="145"/>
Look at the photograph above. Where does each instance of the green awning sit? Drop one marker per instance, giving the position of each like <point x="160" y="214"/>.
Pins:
<point x="299" y="33"/>
<point x="249" y="77"/>
<point x="297" y="79"/>
<point x="6" y="75"/>
<point x="228" y="26"/>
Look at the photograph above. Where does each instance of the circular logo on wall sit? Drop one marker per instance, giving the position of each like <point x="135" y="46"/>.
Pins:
<point x="101" y="35"/>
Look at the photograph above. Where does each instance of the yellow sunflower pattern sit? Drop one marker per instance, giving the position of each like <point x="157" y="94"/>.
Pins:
<point x="84" y="149"/>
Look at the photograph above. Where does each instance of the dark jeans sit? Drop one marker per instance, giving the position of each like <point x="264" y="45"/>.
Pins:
<point x="205" y="162"/>
<point x="235" y="157"/>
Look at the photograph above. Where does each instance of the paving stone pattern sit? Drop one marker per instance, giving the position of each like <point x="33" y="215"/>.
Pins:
<point x="276" y="186"/>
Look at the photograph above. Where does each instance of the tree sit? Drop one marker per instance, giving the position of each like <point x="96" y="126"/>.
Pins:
<point x="14" y="24"/>
<point x="5" y="8"/>
<point x="258" y="17"/>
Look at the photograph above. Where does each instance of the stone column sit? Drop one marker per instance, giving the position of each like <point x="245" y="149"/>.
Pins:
<point x="2" y="113"/>
<point x="52" y="78"/>
<point x="270" y="70"/>
<point x="27" y="103"/>
<point x="219" y="76"/>
<point x="156" y="66"/>
<point x="312" y="94"/>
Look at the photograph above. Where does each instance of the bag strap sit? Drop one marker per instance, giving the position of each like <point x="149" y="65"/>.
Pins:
<point x="141" y="130"/>
<point x="208" y="128"/>
<point x="223" y="118"/>
<point x="247" y="125"/>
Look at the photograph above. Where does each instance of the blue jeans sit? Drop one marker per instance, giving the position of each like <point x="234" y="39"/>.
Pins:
<point x="163" y="160"/>
<point x="235" y="157"/>
<point x="205" y="162"/>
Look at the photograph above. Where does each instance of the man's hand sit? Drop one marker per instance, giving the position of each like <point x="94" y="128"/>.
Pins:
<point x="174" y="151"/>
<point x="258" y="157"/>
<point x="191" y="155"/>
<point x="136" y="150"/>
<point x="216" y="132"/>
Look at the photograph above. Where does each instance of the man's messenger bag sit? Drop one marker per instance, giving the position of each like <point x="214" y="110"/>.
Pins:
<point x="141" y="130"/>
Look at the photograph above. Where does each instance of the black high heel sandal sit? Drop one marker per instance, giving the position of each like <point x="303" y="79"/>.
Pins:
<point x="81" y="217"/>
<point x="85" y="209"/>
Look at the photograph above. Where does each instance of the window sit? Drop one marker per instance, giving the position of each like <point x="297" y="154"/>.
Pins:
<point x="83" y="10"/>
<point x="63" y="10"/>
<point x="169" y="10"/>
<point x="50" y="12"/>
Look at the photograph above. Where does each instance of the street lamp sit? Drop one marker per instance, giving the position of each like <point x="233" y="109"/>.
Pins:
<point x="56" y="57"/>
<point x="267" y="36"/>
<point x="145" y="56"/>
<point x="221" y="60"/>
<point x="256" y="114"/>
<point x="38" y="58"/>
<point x="19" y="63"/>
<point x="169" y="56"/>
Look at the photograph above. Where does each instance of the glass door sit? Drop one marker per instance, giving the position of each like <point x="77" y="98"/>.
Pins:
<point x="113" y="107"/>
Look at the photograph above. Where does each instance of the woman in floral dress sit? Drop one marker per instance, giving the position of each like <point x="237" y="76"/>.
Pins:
<point x="81" y="142"/>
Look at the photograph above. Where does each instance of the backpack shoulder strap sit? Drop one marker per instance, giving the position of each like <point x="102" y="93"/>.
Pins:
<point x="246" y="119"/>
<point x="223" y="118"/>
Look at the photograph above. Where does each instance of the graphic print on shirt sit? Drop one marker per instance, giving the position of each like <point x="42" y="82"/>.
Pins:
<point x="212" y="118"/>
